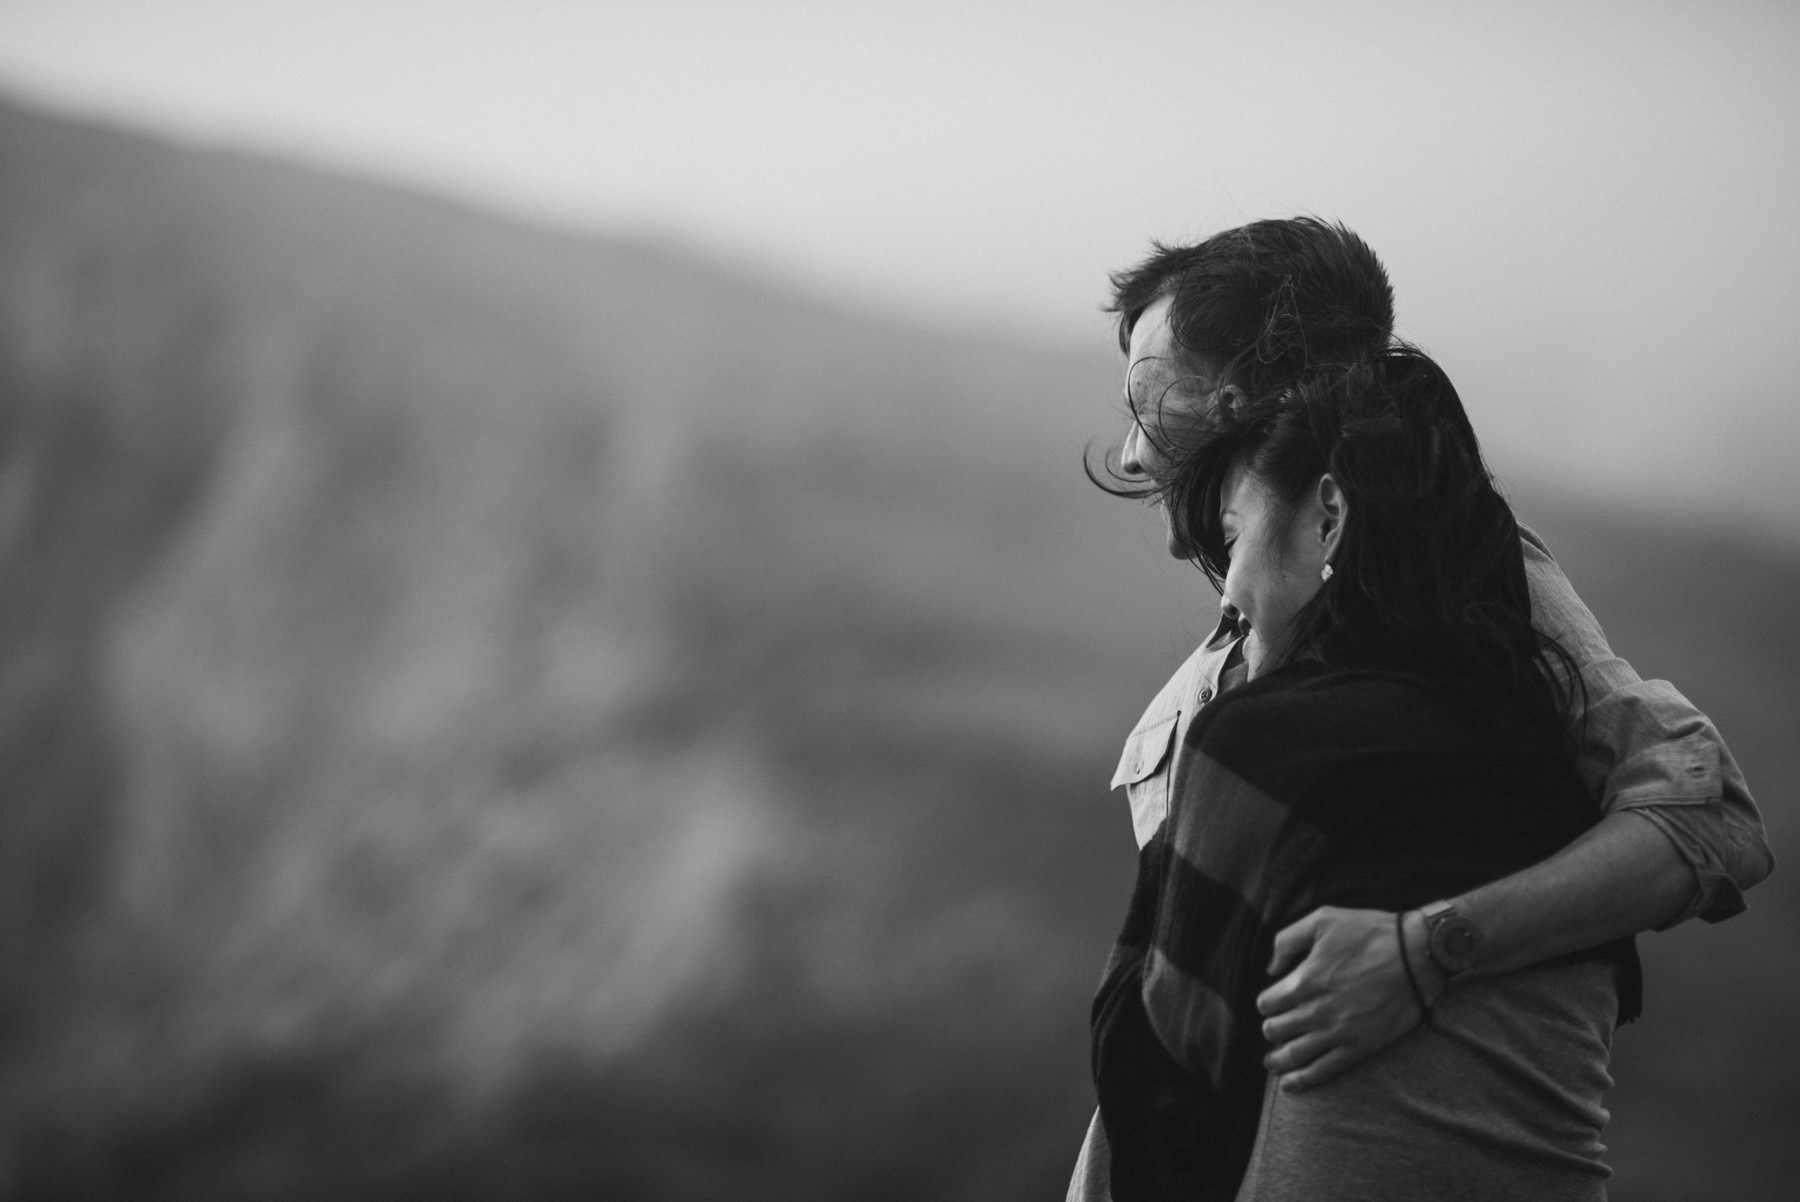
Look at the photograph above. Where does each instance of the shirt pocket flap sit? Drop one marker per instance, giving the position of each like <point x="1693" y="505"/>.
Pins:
<point x="1145" y="751"/>
<point x="1682" y="771"/>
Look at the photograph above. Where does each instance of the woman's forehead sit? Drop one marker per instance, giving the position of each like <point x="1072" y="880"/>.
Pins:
<point x="1243" y="488"/>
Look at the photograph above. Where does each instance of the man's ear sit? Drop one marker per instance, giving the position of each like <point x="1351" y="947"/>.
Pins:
<point x="1334" y="513"/>
<point x="1227" y="398"/>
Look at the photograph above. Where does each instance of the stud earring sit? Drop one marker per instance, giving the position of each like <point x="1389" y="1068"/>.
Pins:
<point x="1325" y="572"/>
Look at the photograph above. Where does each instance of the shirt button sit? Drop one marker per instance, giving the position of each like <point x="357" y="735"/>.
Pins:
<point x="1205" y="695"/>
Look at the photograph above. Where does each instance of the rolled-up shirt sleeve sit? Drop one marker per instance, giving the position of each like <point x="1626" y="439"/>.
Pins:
<point x="1648" y="751"/>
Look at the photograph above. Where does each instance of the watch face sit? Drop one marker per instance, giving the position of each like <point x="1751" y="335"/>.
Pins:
<point x="1459" y="940"/>
<point x="1455" y="942"/>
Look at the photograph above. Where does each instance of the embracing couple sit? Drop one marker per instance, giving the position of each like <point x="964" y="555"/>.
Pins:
<point x="1401" y="816"/>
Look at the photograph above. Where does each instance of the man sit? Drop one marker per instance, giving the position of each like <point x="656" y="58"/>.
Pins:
<point x="1251" y="309"/>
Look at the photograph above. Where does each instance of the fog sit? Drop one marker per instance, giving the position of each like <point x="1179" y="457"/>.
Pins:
<point x="1586" y="208"/>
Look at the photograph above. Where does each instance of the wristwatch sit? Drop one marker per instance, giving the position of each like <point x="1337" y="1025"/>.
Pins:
<point x="1455" y="943"/>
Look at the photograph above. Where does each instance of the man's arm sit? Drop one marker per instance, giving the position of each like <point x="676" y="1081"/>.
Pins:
<point x="1681" y="838"/>
<point x="1341" y="992"/>
<point x="1653" y="754"/>
<point x="1647" y="748"/>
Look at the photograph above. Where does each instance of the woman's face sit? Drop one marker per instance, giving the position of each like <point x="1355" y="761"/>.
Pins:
<point x="1277" y="555"/>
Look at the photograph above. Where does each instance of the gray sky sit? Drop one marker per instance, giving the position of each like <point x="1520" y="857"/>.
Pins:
<point x="1588" y="209"/>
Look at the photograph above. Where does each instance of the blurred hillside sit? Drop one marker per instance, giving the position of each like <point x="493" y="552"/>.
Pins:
<point x="488" y="713"/>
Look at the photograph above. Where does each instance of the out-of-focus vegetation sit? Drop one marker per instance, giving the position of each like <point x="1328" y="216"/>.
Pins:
<point x="486" y="713"/>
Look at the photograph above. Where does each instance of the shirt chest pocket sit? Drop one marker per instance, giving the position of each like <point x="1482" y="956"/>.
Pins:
<point x="1143" y="772"/>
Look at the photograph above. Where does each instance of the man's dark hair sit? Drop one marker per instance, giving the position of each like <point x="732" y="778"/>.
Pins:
<point x="1258" y="306"/>
<point x="1267" y="301"/>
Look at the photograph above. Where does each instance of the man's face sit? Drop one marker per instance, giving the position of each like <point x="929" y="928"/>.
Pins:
<point x="1163" y="394"/>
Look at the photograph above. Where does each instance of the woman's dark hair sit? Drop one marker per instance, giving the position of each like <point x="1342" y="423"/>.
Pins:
<point x="1298" y="315"/>
<point x="1428" y="574"/>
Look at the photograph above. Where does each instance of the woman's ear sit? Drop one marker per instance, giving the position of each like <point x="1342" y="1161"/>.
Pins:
<point x="1334" y="512"/>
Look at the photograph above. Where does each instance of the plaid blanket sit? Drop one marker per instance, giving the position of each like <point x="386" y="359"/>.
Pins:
<point x="1361" y="789"/>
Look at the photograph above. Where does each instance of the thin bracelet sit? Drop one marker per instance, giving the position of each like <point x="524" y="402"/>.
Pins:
<point x="1406" y="963"/>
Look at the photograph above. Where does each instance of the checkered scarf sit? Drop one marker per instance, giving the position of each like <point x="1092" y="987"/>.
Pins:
<point x="1358" y="789"/>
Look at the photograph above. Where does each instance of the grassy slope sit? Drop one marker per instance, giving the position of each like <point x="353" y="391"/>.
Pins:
<point x="486" y="713"/>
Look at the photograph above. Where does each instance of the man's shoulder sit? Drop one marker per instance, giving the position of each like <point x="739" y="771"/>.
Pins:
<point x="1533" y="544"/>
<point x="1184" y="684"/>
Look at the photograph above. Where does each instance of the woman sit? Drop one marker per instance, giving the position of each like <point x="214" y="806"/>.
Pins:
<point x="1402" y="736"/>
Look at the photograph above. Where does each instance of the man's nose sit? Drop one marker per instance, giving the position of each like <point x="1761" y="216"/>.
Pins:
<point x="1131" y="455"/>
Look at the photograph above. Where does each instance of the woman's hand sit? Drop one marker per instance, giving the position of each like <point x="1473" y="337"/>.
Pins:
<point x="1341" y="993"/>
